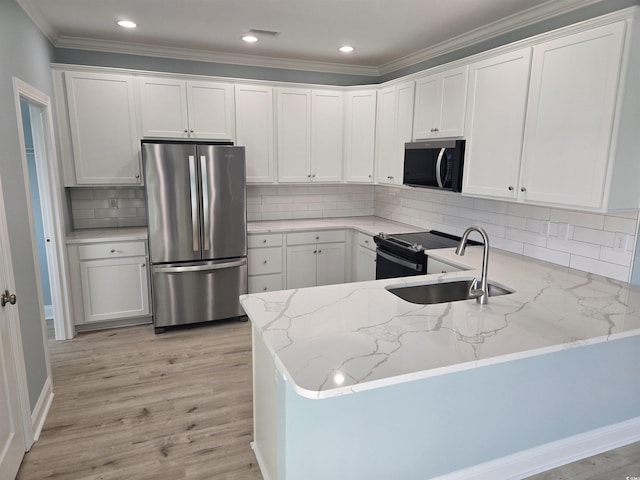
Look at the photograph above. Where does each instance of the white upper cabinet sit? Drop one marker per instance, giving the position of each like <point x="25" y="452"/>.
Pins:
<point x="570" y="117"/>
<point x="254" y="130"/>
<point x="327" y="135"/>
<point x="102" y="128"/>
<point x="496" y="107"/>
<point x="294" y="134"/>
<point x="440" y="104"/>
<point x="360" y="135"/>
<point x="394" y="123"/>
<point x="310" y="135"/>
<point x="176" y="108"/>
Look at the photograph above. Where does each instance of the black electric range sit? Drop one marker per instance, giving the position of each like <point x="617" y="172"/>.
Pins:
<point x="402" y="254"/>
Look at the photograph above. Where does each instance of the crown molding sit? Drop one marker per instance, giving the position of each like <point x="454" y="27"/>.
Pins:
<point x="79" y="43"/>
<point x="550" y="9"/>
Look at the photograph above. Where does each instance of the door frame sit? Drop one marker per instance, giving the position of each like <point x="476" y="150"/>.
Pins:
<point x="15" y="335"/>
<point x="50" y="189"/>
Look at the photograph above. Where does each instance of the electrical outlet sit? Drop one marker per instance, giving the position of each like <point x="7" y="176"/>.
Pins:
<point x="619" y="242"/>
<point x="113" y="203"/>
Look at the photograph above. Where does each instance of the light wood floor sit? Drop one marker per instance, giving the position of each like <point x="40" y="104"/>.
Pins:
<point x="133" y="405"/>
<point x="129" y="404"/>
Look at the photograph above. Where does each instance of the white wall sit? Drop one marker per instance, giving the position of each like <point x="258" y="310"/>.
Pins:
<point x="24" y="53"/>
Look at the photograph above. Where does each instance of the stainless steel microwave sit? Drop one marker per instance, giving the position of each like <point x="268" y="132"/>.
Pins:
<point x="434" y="164"/>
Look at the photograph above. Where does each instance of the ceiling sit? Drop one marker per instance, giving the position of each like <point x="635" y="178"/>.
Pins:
<point x="386" y="34"/>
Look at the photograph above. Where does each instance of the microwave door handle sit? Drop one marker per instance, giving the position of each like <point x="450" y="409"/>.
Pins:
<point x="194" y="202"/>
<point x="439" y="168"/>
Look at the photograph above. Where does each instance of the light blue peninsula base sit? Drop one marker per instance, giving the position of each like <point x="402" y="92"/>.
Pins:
<point x="505" y="420"/>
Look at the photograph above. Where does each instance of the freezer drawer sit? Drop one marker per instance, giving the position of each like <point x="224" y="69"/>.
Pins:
<point x="198" y="292"/>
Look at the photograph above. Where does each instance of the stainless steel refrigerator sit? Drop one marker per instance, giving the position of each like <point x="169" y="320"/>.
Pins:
<point x="196" y="205"/>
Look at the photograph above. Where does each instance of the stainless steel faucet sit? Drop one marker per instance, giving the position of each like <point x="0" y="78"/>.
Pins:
<point x="482" y="295"/>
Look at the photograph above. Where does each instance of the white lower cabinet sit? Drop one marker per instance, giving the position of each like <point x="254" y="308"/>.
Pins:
<point x="110" y="282"/>
<point x="315" y="258"/>
<point x="265" y="262"/>
<point x="365" y="258"/>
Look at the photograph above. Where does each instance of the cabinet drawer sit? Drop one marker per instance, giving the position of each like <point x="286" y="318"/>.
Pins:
<point x="111" y="250"/>
<point x="265" y="283"/>
<point x="365" y="241"/>
<point x="321" y="236"/>
<point x="264" y="240"/>
<point x="264" y="260"/>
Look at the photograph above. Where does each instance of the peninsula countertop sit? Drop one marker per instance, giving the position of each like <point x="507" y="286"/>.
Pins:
<point x="339" y="339"/>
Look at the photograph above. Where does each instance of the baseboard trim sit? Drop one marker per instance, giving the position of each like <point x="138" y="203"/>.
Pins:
<point x="40" y="411"/>
<point x="263" y="470"/>
<point x="552" y="455"/>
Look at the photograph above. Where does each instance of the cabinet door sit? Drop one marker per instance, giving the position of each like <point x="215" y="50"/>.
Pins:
<point x="428" y="107"/>
<point x="365" y="264"/>
<point x="440" y="104"/>
<point x="294" y="134"/>
<point x="570" y="115"/>
<point x="103" y="128"/>
<point x="495" y="124"/>
<point x="114" y="288"/>
<point x="330" y="263"/>
<point x="327" y="131"/>
<point x="385" y="136"/>
<point x="254" y="130"/>
<point x="210" y="110"/>
<point x="360" y="134"/>
<point x="163" y="107"/>
<point x="301" y="266"/>
<point x="394" y="129"/>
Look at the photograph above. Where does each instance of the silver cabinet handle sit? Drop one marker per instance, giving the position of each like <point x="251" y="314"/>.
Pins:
<point x="434" y="129"/>
<point x="8" y="298"/>
<point x="113" y="250"/>
<point x="194" y="202"/>
<point x="523" y="189"/>
<point x="511" y="188"/>
<point x="264" y="240"/>
<point x="264" y="262"/>
<point x="186" y="131"/>
<point x="142" y="265"/>
<point x="438" y="167"/>
<point x="205" y="202"/>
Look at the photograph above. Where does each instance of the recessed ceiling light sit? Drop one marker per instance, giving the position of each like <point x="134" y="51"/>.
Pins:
<point x="250" y="38"/>
<point x="127" y="24"/>
<point x="346" y="49"/>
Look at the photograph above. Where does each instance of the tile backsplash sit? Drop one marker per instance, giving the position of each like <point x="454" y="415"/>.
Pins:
<point x="108" y="207"/>
<point x="286" y="202"/>
<point x="592" y="242"/>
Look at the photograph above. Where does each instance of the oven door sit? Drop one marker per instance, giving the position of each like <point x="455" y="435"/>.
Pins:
<point x="389" y="265"/>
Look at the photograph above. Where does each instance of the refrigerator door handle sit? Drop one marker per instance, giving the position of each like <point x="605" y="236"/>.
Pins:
<point x="201" y="268"/>
<point x="193" y="182"/>
<point x="205" y="202"/>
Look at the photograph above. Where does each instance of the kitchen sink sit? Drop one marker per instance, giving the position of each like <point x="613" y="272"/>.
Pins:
<point x="444" y="292"/>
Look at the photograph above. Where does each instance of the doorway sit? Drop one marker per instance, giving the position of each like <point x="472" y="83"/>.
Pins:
<point x="45" y="212"/>
<point x="38" y="223"/>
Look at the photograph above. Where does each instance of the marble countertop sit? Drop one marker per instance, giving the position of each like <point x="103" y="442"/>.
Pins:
<point x="97" y="235"/>
<point x="338" y="339"/>
<point x="370" y="225"/>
